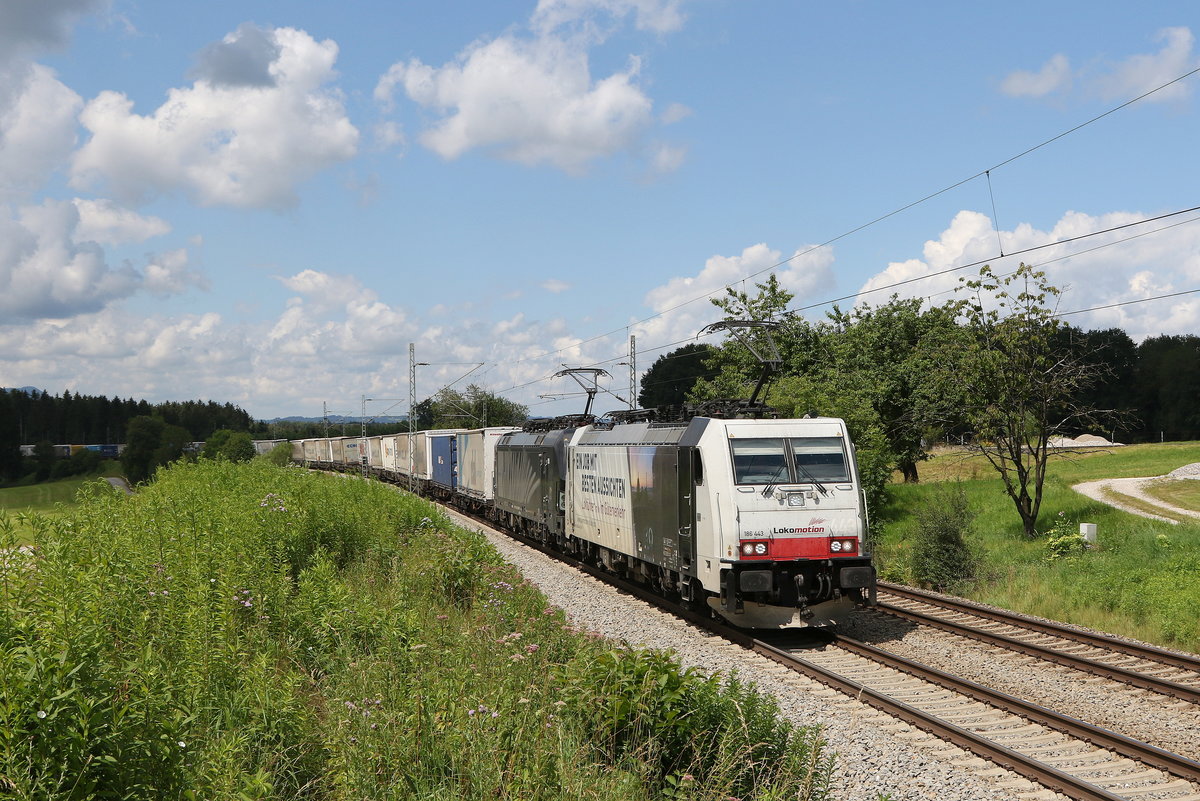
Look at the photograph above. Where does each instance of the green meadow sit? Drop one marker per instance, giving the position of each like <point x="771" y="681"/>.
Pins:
<point x="1142" y="579"/>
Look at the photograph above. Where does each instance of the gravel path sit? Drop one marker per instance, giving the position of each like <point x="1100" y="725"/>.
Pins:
<point x="875" y="754"/>
<point x="1135" y="488"/>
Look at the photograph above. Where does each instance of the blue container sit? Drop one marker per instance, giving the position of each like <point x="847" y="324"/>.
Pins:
<point x="443" y="450"/>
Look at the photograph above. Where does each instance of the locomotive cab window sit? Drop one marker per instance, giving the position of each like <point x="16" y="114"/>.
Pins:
<point x="822" y="458"/>
<point x="760" y="461"/>
<point x="792" y="460"/>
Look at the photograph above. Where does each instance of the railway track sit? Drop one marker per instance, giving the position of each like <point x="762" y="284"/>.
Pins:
<point x="1061" y="753"/>
<point x="1173" y="674"/>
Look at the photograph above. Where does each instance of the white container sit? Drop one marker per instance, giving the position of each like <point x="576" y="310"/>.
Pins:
<point x="1088" y="532"/>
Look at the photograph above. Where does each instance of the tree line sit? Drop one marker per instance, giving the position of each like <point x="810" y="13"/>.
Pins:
<point x="44" y="420"/>
<point x="1155" y="384"/>
<point x="96" y="420"/>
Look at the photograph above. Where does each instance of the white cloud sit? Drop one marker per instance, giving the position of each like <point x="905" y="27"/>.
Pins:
<point x="37" y="127"/>
<point x="1120" y="80"/>
<point x="667" y="159"/>
<point x="555" y="286"/>
<point x="1054" y="76"/>
<point x="1158" y="263"/>
<point x="333" y="341"/>
<point x="114" y="352"/>
<point x="336" y="315"/>
<point x="1143" y="72"/>
<point x="531" y="98"/>
<point x="325" y="291"/>
<point x="529" y="101"/>
<point x="168" y="274"/>
<point x="106" y="223"/>
<point x="232" y="138"/>
<point x="660" y="16"/>
<point x="46" y="271"/>
<point x="184" y="341"/>
<point x="388" y="134"/>
<point x="683" y="302"/>
<point x="675" y="113"/>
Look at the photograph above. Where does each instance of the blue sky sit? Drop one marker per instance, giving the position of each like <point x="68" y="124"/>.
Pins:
<point x="264" y="202"/>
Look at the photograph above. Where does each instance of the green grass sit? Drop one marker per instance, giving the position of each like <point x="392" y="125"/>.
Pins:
<point x="41" y="497"/>
<point x="1184" y="493"/>
<point x="1143" y="580"/>
<point x="48" y="499"/>
<point x="254" y="632"/>
<point x="1129" y="461"/>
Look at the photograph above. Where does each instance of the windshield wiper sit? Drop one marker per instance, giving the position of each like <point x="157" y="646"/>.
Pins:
<point x="811" y="477"/>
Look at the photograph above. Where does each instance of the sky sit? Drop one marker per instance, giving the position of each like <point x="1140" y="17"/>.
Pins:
<point x="265" y="203"/>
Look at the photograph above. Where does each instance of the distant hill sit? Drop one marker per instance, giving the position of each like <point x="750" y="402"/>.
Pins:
<point x="26" y="390"/>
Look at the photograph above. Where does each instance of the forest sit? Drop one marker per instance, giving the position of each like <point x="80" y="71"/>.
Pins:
<point x="95" y="420"/>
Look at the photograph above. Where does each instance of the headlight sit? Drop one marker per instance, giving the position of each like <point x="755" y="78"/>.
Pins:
<point x="755" y="549"/>
<point x="795" y="499"/>
<point x="835" y="546"/>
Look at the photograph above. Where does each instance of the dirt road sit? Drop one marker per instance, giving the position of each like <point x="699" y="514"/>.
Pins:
<point x="1134" y="488"/>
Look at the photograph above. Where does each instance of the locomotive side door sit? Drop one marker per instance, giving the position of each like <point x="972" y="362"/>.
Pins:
<point x="686" y="460"/>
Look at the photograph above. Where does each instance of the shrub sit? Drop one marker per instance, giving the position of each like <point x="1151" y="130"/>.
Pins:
<point x="1064" y="540"/>
<point x="941" y="555"/>
<point x="280" y="455"/>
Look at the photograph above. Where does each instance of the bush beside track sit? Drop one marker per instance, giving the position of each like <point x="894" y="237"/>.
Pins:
<point x="256" y="632"/>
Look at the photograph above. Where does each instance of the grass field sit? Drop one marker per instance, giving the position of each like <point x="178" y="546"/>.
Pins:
<point x="1142" y="580"/>
<point x="41" y="497"/>
<point x="48" y="499"/>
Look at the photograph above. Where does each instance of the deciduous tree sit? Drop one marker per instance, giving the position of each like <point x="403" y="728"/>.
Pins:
<point x="671" y="377"/>
<point x="473" y="407"/>
<point x="1012" y="381"/>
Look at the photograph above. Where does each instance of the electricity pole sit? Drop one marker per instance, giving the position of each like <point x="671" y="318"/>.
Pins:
<point x="632" y="372"/>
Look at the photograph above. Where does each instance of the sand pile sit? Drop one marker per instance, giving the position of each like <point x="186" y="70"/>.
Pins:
<point x="1083" y="441"/>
